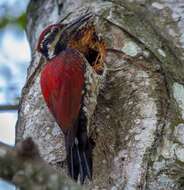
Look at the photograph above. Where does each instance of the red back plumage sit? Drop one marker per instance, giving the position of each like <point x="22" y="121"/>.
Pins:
<point x="62" y="82"/>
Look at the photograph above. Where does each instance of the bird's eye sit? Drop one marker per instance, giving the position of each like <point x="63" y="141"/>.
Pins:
<point x="54" y="30"/>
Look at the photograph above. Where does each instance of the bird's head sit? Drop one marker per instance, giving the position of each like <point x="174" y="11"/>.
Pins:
<point x="47" y="38"/>
<point x="55" y="37"/>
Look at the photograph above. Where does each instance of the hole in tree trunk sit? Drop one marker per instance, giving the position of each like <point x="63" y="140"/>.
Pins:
<point x="91" y="46"/>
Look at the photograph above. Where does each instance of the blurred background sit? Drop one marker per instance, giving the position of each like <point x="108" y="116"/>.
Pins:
<point x="14" y="60"/>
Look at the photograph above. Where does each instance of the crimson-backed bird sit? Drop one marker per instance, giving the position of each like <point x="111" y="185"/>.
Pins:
<point x="69" y="85"/>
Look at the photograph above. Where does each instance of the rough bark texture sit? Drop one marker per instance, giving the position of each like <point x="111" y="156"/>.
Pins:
<point x="138" y="124"/>
<point x="23" y="167"/>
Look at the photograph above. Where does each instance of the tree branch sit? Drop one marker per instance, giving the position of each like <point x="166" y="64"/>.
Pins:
<point x="23" y="167"/>
<point x="8" y="107"/>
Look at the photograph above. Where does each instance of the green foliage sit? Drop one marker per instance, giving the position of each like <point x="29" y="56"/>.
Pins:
<point x="20" y="21"/>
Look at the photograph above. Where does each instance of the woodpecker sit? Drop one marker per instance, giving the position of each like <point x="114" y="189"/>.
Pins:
<point x="70" y="85"/>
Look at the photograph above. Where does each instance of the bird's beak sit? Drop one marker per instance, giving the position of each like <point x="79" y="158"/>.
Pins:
<point x="79" y="21"/>
<point x="74" y="26"/>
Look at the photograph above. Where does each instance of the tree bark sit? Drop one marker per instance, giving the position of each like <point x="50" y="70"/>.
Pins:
<point x="139" y="119"/>
<point x="23" y="167"/>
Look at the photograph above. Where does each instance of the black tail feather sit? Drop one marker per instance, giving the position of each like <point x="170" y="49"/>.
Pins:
<point x="79" y="163"/>
<point x="79" y="150"/>
<point x="72" y="162"/>
<point x="87" y="165"/>
<point x="81" y="172"/>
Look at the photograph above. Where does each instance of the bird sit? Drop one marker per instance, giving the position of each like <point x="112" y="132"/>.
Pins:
<point x="70" y="85"/>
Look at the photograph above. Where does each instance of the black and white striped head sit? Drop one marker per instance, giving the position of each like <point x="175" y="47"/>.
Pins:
<point x="48" y="43"/>
<point x="55" y="37"/>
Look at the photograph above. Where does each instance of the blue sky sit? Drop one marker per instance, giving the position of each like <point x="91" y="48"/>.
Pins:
<point x="14" y="60"/>
<point x="6" y="186"/>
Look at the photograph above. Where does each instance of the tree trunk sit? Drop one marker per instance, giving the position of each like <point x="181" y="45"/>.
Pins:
<point x="138" y="123"/>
